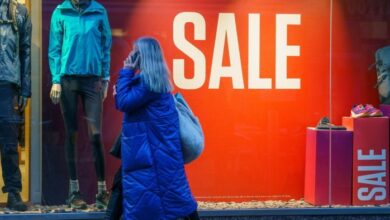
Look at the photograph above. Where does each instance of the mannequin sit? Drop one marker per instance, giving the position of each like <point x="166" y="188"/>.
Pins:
<point x="15" y="89"/>
<point x="81" y="70"/>
<point x="81" y="4"/>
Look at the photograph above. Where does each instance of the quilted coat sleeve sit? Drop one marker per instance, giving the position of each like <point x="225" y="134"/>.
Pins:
<point x="131" y="93"/>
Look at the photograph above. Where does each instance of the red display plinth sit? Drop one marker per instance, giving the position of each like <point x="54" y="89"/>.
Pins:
<point x="370" y="181"/>
<point x="385" y="109"/>
<point x="317" y="167"/>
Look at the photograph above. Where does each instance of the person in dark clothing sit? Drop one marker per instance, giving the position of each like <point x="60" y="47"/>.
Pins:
<point x="15" y="89"/>
<point x="115" y="207"/>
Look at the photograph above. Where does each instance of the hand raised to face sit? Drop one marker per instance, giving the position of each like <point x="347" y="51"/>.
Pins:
<point x="132" y="61"/>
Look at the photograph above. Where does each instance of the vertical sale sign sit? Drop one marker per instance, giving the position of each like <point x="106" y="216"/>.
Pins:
<point x="256" y="73"/>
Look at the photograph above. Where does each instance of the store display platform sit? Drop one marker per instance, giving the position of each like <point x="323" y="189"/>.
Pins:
<point x="317" y="180"/>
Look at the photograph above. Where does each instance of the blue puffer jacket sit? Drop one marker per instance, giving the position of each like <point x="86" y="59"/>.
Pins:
<point x="155" y="186"/>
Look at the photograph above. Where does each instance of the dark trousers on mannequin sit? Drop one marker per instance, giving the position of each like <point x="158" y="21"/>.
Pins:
<point x="10" y="120"/>
<point x="89" y="90"/>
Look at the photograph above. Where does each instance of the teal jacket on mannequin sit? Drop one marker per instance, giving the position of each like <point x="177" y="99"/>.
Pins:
<point x="80" y="42"/>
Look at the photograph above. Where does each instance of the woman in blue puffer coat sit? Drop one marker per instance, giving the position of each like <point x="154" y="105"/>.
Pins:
<point x="155" y="185"/>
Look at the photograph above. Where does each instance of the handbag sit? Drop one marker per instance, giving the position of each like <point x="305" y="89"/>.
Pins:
<point x="116" y="147"/>
<point x="382" y="64"/>
<point x="191" y="133"/>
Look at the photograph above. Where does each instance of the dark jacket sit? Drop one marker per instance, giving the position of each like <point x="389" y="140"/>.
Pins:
<point x="15" y="47"/>
<point x="155" y="185"/>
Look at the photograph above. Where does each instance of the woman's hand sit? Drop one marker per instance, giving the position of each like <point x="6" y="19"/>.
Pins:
<point x="132" y="61"/>
<point x="114" y="91"/>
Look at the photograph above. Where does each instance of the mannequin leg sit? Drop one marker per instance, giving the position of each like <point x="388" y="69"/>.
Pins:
<point x="93" y="105"/>
<point x="92" y="102"/>
<point x="9" y="158"/>
<point x="9" y="129"/>
<point x="69" y="103"/>
<point x="69" y="113"/>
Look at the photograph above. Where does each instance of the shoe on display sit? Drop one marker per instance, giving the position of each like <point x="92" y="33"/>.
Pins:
<point x="373" y="112"/>
<point x="102" y="200"/>
<point x="75" y="201"/>
<point x="14" y="202"/>
<point x="324" y="124"/>
<point x="359" y="111"/>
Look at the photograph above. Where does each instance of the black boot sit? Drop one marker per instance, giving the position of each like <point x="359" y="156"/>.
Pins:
<point x="193" y="216"/>
<point x="115" y="207"/>
<point x="14" y="202"/>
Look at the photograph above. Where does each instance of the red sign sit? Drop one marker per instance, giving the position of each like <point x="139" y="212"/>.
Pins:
<point x="370" y="160"/>
<point x="256" y="73"/>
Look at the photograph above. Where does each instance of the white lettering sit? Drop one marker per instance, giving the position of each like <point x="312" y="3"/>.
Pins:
<point x="254" y="80"/>
<point x="226" y="37"/>
<point x="190" y="50"/>
<point x="283" y="51"/>
<point x="372" y="193"/>
<point x="371" y="155"/>
<point x="382" y="167"/>
<point x="226" y="32"/>
<point x="377" y="179"/>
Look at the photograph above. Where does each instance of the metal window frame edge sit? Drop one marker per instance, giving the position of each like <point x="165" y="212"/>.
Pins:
<point x="36" y="104"/>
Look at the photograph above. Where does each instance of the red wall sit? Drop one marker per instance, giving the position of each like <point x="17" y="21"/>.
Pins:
<point x="255" y="138"/>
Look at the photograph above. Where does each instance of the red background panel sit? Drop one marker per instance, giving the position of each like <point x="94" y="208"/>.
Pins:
<point x="255" y="139"/>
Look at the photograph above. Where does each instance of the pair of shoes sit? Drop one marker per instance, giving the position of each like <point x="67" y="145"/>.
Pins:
<point x="324" y="124"/>
<point x="14" y="202"/>
<point x="367" y="110"/>
<point x="75" y="201"/>
<point x="102" y="199"/>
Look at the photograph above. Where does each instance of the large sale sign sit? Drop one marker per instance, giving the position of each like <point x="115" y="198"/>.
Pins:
<point x="256" y="73"/>
<point x="226" y="36"/>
